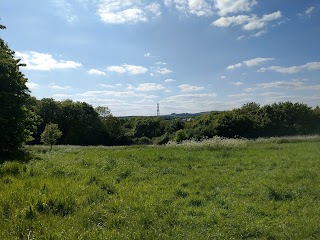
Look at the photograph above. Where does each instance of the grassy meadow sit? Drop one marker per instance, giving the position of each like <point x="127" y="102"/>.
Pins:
<point x="216" y="189"/>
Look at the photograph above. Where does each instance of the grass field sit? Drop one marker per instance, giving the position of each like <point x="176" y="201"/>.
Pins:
<point x="217" y="189"/>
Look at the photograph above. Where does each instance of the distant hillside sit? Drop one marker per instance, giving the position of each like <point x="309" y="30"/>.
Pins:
<point x="185" y="115"/>
<point x="175" y="115"/>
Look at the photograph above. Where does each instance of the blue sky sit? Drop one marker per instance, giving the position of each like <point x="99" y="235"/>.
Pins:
<point x="188" y="55"/>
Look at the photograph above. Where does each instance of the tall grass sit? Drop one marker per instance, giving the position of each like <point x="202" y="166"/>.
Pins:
<point x="214" y="189"/>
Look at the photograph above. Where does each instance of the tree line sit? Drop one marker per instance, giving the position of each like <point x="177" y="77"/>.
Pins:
<point x="254" y="121"/>
<point x="82" y="124"/>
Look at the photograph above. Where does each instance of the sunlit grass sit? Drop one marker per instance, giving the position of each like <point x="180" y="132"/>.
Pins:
<point x="214" y="189"/>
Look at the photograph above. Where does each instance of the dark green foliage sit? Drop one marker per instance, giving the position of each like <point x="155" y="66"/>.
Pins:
<point x="17" y="122"/>
<point x="142" y="141"/>
<point x="289" y="119"/>
<point x="165" y="138"/>
<point x="78" y="121"/>
<point x="109" y="188"/>
<point x="113" y="132"/>
<point x="253" y="121"/>
<point x="278" y="195"/>
<point x="62" y="207"/>
<point x="174" y="126"/>
<point x="148" y="127"/>
<point x="181" y="135"/>
<point x="181" y="194"/>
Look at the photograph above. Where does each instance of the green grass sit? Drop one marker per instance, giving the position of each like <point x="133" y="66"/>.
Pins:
<point x="266" y="189"/>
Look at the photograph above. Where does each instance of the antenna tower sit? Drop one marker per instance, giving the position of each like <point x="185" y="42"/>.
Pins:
<point x="158" y="110"/>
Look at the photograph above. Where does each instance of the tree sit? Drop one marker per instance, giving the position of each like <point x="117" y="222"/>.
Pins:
<point x="148" y="127"/>
<point x="113" y="131"/>
<point x="103" y="111"/>
<point x="180" y="136"/>
<point x="51" y="134"/>
<point x="17" y="122"/>
<point x="79" y="123"/>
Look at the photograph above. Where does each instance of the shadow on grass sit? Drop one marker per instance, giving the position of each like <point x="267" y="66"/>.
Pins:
<point x="20" y="155"/>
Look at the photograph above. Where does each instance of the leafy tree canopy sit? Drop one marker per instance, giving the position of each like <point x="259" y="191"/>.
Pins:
<point x="17" y="122"/>
<point x="51" y="134"/>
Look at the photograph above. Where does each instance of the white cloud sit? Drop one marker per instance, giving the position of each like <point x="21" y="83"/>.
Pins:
<point x="248" y="89"/>
<point x="308" y="12"/>
<point x="253" y="24"/>
<point x="57" y="87"/>
<point x="132" y="69"/>
<point x="257" y="61"/>
<point x="271" y="94"/>
<point x="194" y="7"/>
<point x="169" y="80"/>
<point x="44" y="61"/>
<point x="250" y="63"/>
<point x="237" y="83"/>
<point x="163" y="70"/>
<point x="189" y="103"/>
<point x="66" y="10"/>
<point x="61" y="96"/>
<point x="128" y="11"/>
<point x="248" y="23"/>
<point x="96" y="72"/>
<point x="190" y="88"/>
<point x="130" y="87"/>
<point x="293" y="69"/>
<point x="149" y="87"/>
<point x="258" y="23"/>
<point x="126" y="68"/>
<point x="271" y="16"/>
<point x="234" y="20"/>
<point x="108" y="93"/>
<point x="280" y="84"/>
<point x="233" y="6"/>
<point x="161" y="63"/>
<point x="190" y="97"/>
<point x="223" y="77"/>
<point x="150" y="97"/>
<point x="147" y="54"/>
<point x="106" y="86"/>
<point x="293" y="84"/>
<point x="128" y="15"/>
<point x="260" y="33"/>
<point x="241" y="95"/>
<point x="118" y="69"/>
<point x="32" y="85"/>
<point x="154" y="9"/>
<point x="231" y="67"/>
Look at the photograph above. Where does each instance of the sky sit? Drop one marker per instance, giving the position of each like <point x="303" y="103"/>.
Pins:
<point x="187" y="55"/>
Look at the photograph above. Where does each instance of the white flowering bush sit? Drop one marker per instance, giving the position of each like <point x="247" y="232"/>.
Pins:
<point x="289" y="139"/>
<point x="211" y="143"/>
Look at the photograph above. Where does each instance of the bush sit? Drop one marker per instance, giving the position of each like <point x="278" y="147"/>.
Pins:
<point x="51" y="134"/>
<point x="142" y="141"/>
<point x="180" y="136"/>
